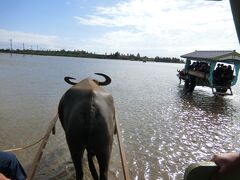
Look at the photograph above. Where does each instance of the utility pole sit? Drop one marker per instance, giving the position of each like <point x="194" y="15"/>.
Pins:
<point x="11" y="46"/>
<point x="23" y="48"/>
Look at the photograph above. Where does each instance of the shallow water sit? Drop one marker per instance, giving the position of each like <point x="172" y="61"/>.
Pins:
<point x="164" y="129"/>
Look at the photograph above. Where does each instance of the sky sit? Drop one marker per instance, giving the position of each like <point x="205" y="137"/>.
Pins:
<point x="164" y="28"/>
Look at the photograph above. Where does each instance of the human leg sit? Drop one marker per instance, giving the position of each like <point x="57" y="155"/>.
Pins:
<point x="11" y="167"/>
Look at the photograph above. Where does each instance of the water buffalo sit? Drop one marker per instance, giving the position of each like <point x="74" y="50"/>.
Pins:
<point x="87" y="114"/>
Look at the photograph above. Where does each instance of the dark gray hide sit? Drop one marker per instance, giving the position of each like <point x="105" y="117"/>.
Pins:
<point x="87" y="114"/>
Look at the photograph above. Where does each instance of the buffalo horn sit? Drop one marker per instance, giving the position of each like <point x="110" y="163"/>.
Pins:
<point x="67" y="79"/>
<point x="106" y="82"/>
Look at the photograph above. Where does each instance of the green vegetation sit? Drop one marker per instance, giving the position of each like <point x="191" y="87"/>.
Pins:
<point x="85" y="54"/>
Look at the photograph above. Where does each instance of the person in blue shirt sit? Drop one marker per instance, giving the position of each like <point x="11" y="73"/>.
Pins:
<point x="10" y="167"/>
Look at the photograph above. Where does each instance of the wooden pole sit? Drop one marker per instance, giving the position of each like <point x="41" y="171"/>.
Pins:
<point x="122" y="152"/>
<point x="38" y="156"/>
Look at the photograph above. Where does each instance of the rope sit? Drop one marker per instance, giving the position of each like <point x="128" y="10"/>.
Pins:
<point x="25" y="147"/>
<point x="30" y="145"/>
<point x="44" y="139"/>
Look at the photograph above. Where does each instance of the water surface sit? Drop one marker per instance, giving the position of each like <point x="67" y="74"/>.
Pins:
<point x="164" y="129"/>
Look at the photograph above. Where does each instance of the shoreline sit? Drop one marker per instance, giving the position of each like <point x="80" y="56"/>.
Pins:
<point x="83" y="54"/>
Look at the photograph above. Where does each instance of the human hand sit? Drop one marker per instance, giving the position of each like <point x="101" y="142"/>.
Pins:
<point x="227" y="162"/>
<point x="2" y="177"/>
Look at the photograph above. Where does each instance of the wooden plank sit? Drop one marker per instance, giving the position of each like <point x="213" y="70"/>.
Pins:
<point x="38" y="156"/>
<point x="221" y="93"/>
<point x="205" y="171"/>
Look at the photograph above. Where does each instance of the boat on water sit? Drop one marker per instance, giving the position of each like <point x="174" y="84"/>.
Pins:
<point x="215" y="69"/>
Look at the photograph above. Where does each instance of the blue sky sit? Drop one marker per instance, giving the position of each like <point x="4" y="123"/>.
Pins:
<point x="149" y="27"/>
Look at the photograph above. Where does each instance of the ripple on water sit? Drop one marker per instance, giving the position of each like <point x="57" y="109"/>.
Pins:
<point x="164" y="129"/>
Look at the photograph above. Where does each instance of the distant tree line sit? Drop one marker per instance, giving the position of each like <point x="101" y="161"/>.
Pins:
<point x="85" y="54"/>
<point x="168" y="59"/>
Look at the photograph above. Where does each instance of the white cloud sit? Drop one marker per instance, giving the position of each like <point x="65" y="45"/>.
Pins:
<point x="150" y="27"/>
<point x="29" y="39"/>
<point x="164" y="27"/>
<point x="34" y="41"/>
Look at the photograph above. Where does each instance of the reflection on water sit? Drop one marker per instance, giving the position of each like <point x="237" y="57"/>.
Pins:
<point x="164" y="129"/>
